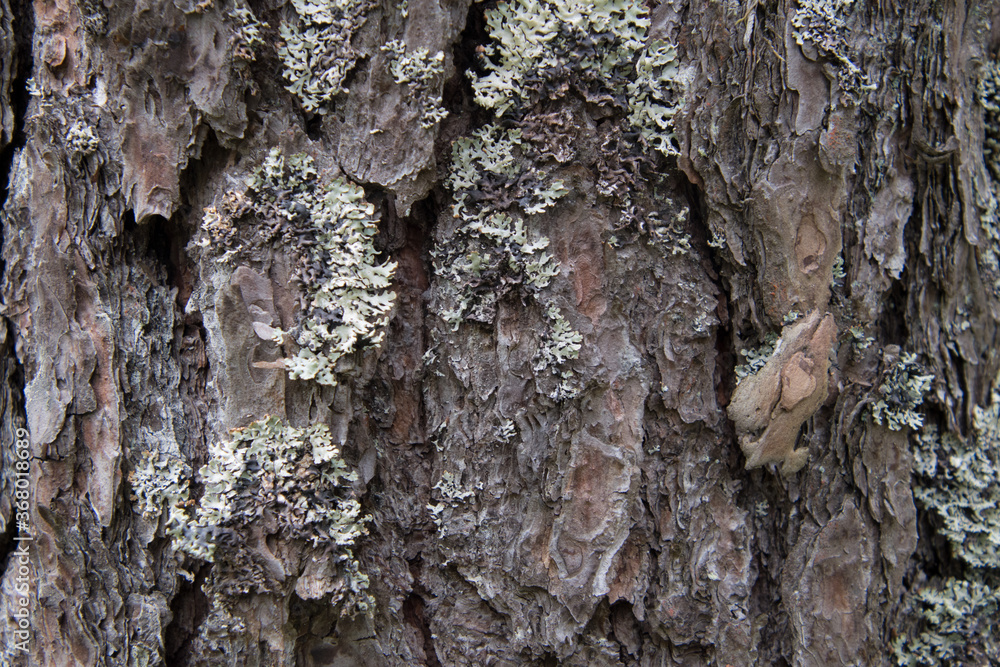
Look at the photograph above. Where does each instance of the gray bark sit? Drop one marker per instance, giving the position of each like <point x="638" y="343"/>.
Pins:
<point x="511" y="523"/>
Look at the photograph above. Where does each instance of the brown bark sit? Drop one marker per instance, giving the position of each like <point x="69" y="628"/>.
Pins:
<point x="615" y="524"/>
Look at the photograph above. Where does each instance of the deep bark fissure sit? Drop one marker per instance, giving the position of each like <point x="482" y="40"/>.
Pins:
<point x="23" y="26"/>
<point x="11" y="369"/>
<point x="413" y="613"/>
<point x="189" y="608"/>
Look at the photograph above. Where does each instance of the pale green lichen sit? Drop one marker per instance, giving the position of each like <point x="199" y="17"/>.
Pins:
<point x="352" y="295"/>
<point x="756" y="358"/>
<point x="954" y="617"/>
<point x="487" y="248"/>
<point x="652" y="96"/>
<point x="491" y="251"/>
<point x="989" y="99"/>
<point x="451" y="490"/>
<point x="958" y="481"/>
<point x="317" y="52"/>
<point x="295" y="472"/>
<point x="453" y="496"/>
<point x="295" y="475"/>
<point x="490" y="159"/>
<point x="346" y="304"/>
<point x="161" y="483"/>
<point x="671" y="234"/>
<point x="901" y="393"/>
<point x="560" y="344"/>
<point x="838" y="272"/>
<point x="961" y="485"/>
<point x="542" y="48"/>
<point x="248" y="38"/>
<point x="420" y="72"/>
<point x="859" y="339"/>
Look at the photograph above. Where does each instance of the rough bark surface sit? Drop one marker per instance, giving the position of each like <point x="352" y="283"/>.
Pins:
<point x="514" y="520"/>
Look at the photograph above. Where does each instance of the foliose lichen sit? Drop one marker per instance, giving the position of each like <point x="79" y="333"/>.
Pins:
<point x="491" y="252"/>
<point x="161" y="483"/>
<point x="839" y="274"/>
<point x="345" y="304"/>
<point x="989" y="99"/>
<point x="859" y="339"/>
<point x="542" y="49"/>
<point x="958" y="622"/>
<point x="452" y="496"/>
<point x="290" y="481"/>
<point x="822" y="25"/>
<point x="317" y="52"/>
<point x="247" y="39"/>
<point x="958" y="481"/>
<point x="902" y="391"/>
<point x="671" y="234"/>
<point x="419" y="71"/>
<point x="756" y="357"/>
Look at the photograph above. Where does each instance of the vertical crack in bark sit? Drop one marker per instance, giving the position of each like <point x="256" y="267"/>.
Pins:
<point x="12" y="413"/>
<point x="189" y="608"/>
<point x="167" y="242"/>
<point x="413" y="613"/>
<point x="457" y="96"/>
<point x="23" y="28"/>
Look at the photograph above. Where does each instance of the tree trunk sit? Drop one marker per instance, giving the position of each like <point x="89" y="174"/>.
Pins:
<point x="669" y="284"/>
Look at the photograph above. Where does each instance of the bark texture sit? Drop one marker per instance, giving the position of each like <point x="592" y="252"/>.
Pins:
<point x="529" y="504"/>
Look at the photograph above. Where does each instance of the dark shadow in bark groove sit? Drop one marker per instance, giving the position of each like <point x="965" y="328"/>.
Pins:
<point x="23" y="27"/>
<point x="165" y="241"/>
<point x="314" y="127"/>
<point x="457" y="96"/>
<point x="189" y="608"/>
<point x="7" y="545"/>
<point x="473" y="36"/>
<point x="413" y="613"/>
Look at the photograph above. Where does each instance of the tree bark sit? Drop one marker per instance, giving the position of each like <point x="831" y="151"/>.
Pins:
<point x="555" y="468"/>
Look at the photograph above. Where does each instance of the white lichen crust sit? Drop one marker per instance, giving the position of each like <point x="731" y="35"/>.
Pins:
<point x="317" y="52"/>
<point x="82" y="139"/>
<point x="543" y="48"/>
